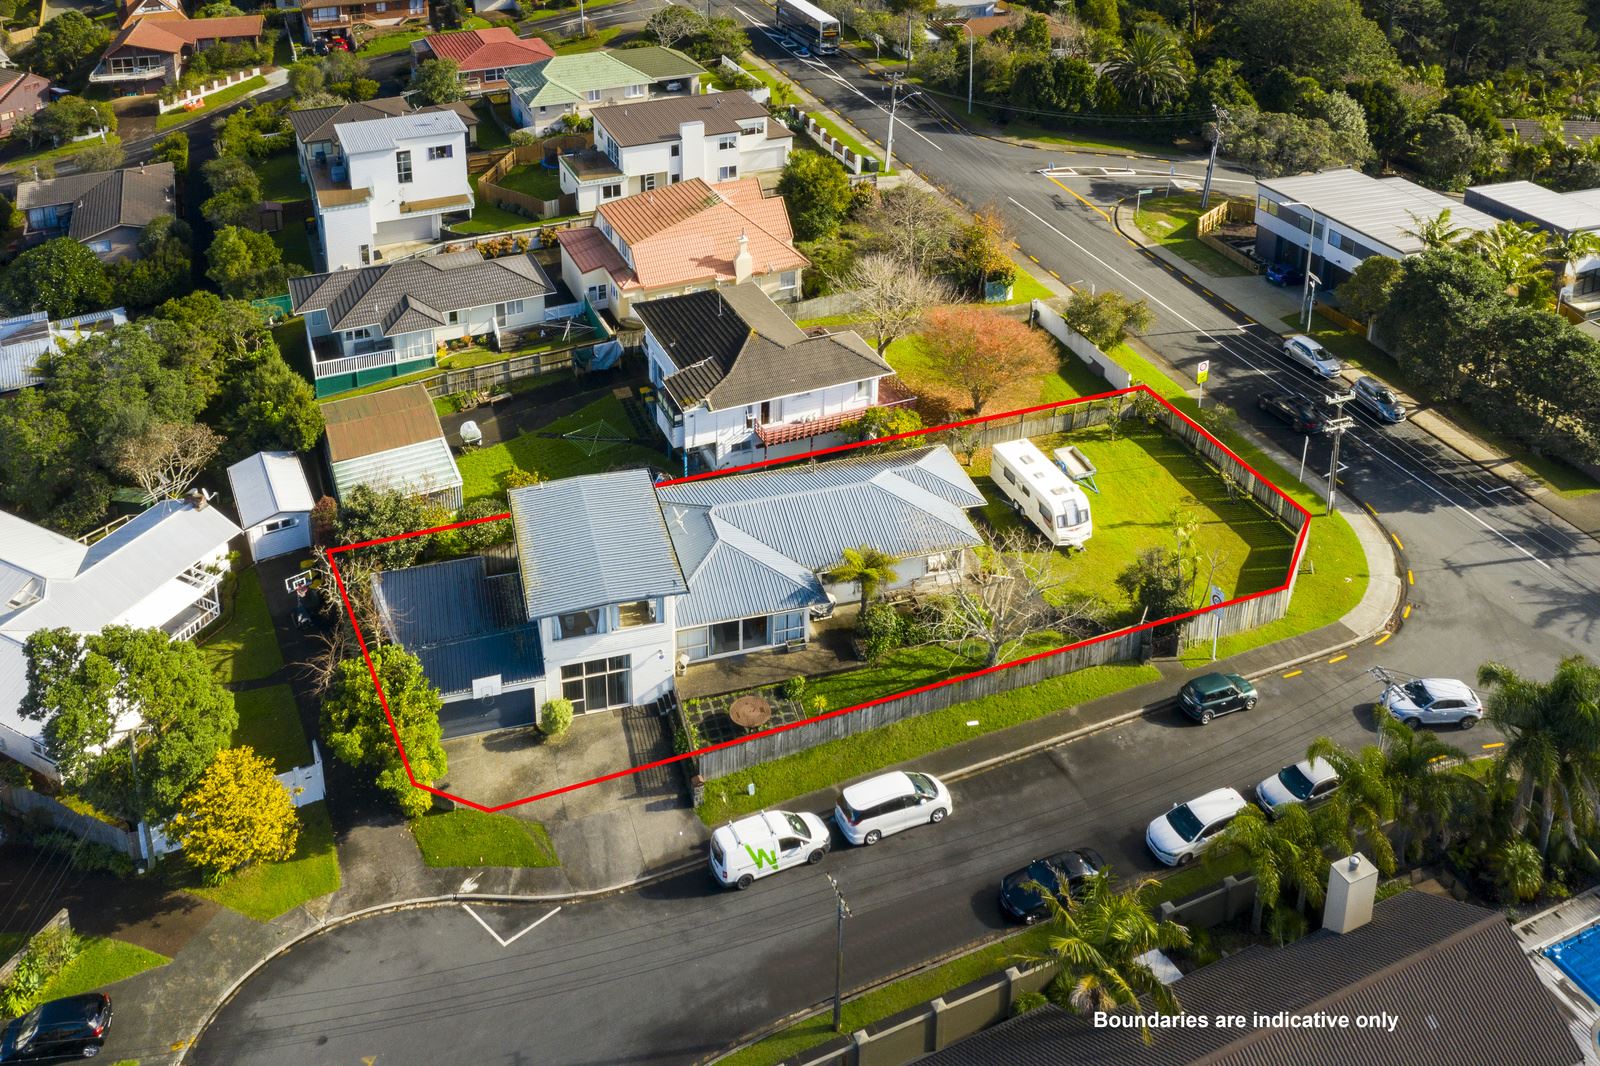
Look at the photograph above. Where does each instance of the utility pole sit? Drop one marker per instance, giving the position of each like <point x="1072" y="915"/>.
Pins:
<point x="583" y="21"/>
<point x="1211" y="167"/>
<point x="894" y="101"/>
<point x="838" y="965"/>
<point x="911" y="14"/>
<point x="1337" y="427"/>
<point x="972" y="37"/>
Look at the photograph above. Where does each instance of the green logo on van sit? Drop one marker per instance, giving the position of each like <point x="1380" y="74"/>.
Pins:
<point x="762" y="858"/>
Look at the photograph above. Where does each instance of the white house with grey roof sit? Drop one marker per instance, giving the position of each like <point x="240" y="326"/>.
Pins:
<point x="1334" y="220"/>
<point x="381" y="322"/>
<point x="736" y="380"/>
<point x="645" y="145"/>
<point x="160" y="570"/>
<point x="26" y="339"/>
<point x="273" y="498"/>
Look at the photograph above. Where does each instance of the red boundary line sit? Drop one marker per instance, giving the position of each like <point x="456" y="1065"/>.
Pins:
<point x="1294" y="563"/>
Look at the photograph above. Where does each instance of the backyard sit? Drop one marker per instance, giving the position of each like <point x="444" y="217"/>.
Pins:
<point x="533" y="179"/>
<point x="593" y="448"/>
<point x="487" y="218"/>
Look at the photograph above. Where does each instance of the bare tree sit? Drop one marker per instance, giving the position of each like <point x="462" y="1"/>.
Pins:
<point x="915" y="226"/>
<point x="167" y="457"/>
<point x="337" y="641"/>
<point x="894" y="296"/>
<point x="1013" y="595"/>
<point x="672" y="24"/>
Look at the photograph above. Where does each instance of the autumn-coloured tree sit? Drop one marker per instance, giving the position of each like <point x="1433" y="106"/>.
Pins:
<point x="980" y="350"/>
<point x="238" y="813"/>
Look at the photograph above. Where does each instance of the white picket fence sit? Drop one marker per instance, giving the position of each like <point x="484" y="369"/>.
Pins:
<point x="305" y="785"/>
<point x="199" y="93"/>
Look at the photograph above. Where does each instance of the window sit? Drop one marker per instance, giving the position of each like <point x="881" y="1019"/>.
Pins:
<point x="675" y="151"/>
<point x="597" y="684"/>
<point x="578" y="624"/>
<point x="366" y="254"/>
<point x="789" y="280"/>
<point x="593" y="96"/>
<point x="753" y="130"/>
<point x="634" y="91"/>
<point x="494" y="74"/>
<point x="506" y="310"/>
<point x="863" y="392"/>
<point x="674" y="179"/>
<point x="441" y="151"/>
<point x="381" y="6"/>
<point x="325" y="14"/>
<point x="1010" y="476"/>
<point x="402" y="167"/>
<point x="611" y="191"/>
<point x="454" y="317"/>
<point x="788" y="626"/>
<point x="638" y="613"/>
<point x="727" y="173"/>
<point x="280" y="523"/>
<point x="418" y="7"/>
<point x="728" y="143"/>
<point x="596" y="295"/>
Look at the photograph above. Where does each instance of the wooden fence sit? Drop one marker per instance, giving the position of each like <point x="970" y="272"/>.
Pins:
<point x="520" y="202"/>
<point x="486" y="377"/>
<point x="1226" y="213"/>
<point x="36" y="806"/>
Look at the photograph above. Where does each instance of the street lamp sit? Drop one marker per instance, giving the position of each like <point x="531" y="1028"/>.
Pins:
<point x="1311" y="249"/>
<point x="894" y="102"/>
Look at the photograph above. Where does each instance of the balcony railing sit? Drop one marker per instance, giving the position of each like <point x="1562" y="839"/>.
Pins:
<point x="890" y="394"/>
<point x="352" y="364"/>
<point x="102" y="73"/>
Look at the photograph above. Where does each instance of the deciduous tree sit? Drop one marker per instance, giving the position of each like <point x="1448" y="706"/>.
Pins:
<point x="167" y="457"/>
<point x="357" y="730"/>
<point x="238" y="813"/>
<point x="235" y="192"/>
<point x="981" y="351"/>
<point x="674" y="23"/>
<point x="893" y="297"/>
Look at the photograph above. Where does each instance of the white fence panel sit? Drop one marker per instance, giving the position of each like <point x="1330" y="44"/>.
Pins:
<point x="1081" y="346"/>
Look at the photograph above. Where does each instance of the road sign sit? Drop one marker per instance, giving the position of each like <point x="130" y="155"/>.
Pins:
<point x="1203" y="372"/>
<point x="1217" y="596"/>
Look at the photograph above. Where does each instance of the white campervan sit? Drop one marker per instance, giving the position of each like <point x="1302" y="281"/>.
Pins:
<point x="1042" y="491"/>
<point x="762" y="844"/>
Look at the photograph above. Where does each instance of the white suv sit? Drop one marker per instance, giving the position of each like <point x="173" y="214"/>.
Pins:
<point x="1184" y="831"/>
<point x="1309" y="781"/>
<point x="1434" y="701"/>
<point x="1308" y="354"/>
<point x="869" y="811"/>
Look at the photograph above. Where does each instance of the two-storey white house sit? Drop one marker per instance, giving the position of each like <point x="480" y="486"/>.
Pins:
<point x="378" y="322"/>
<point x="719" y="137"/>
<point x="382" y="183"/>
<point x="736" y="380"/>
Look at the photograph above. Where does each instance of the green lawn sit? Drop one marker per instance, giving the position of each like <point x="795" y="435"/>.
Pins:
<point x="533" y="180"/>
<point x="845" y="136"/>
<point x="246" y="647"/>
<point x="1102" y="141"/>
<point x="102" y="962"/>
<point x="213" y="101"/>
<point x="466" y="837"/>
<point x="837" y="760"/>
<point x="54" y="155"/>
<point x="396" y="42"/>
<point x="596" y="40"/>
<point x="487" y="218"/>
<point x="280" y="179"/>
<point x="781" y="89"/>
<point x="482" y="469"/>
<point x="544" y="11"/>
<point x="1028" y="288"/>
<point x="296" y="245"/>
<point x="1557" y="476"/>
<point x="270" y="723"/>
<point x="1170" y="222"/>
<point x="490" y="135"/>
<point x="266" y="891"/>
<point x="294" y="345"/>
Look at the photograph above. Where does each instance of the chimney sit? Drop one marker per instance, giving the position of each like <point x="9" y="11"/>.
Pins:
<point x="198" y="499"/>
<point x="743" y="263"/>
<point x="1352" y="889"/>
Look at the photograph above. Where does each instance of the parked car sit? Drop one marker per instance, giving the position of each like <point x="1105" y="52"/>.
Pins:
<point x="873" y="809"/>
<point x="1375" y="396"/>
<point x="760" y="845"/>
<point x="1020" y="892"/>
<point x="1434" y="701"/>
<point x="70" y="1028"/>
<point x="1296" y="412"/>
<point x="1306" y="353"/>
<point x="1212" y="694"/>
<point x="1309" y="781"/>
<point x="1285" y="274"/>
<point x="1183" y="832"/>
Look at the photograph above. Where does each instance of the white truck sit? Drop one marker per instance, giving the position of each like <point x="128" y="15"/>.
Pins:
<point x="1042" y="491"/>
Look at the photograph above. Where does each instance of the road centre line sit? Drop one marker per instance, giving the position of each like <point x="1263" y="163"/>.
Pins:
<point x="1073" y="192"/>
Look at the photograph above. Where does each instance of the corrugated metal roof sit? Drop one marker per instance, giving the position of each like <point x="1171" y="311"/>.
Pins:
<point x="1523" y="201"/>
<point x="1452" y="973"/>
<point x="387" y="134"/>
<point x="738" y="577"/>
<point x="24" y="339"/>
<point x="379" y="422"/>
<point x="420" y="469"/>
<point x="461" y="623"/>
<point x="589" y="541"/>
<point x="1381" y="209"/>
<point x="267" y="484"/>
<point x="38" y="550"/>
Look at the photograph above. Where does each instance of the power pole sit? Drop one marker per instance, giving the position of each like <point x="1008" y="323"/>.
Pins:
<point x="1211" y="166"/>
<point x="894" y="101"/>
<point x="1337" y="427"/>
<point x="838" y="965"/>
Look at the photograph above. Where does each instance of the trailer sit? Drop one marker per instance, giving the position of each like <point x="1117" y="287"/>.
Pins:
<point x="1042" y="491"/>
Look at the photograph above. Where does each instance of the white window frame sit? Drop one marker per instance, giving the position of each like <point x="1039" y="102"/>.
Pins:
<point x="279" y="524"/>
<point x="727" y="143"/>
<point x="403" y="172"/>
<point x="441" y="151"/>
<point x="633" y="92"/>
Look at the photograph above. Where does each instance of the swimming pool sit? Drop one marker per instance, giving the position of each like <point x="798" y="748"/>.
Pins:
<point x="1579" y="958"/>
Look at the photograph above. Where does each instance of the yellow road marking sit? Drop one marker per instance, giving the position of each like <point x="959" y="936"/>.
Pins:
<point x="1053" y="274"/>
<point x="1496" y="744"/>
<point x="1370" y="511"/>
<point x="1407" y="612"/>
<point x="1381" y="639"/>
<point x="1338" y="658"/>
<point x="1397" y="543"/>
<point x="1086" y="203"/>
<point x="1230" y="307"/>
<point x="1294" y="673"/>
<point x="1250" y="320"/>
<point x="1411" y="579"/>
<point x="1209" y="293"/>
<point x="1017" y="246"/>
<point x="1437" y="758"/>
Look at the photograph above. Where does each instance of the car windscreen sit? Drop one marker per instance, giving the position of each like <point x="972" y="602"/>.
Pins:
<point x="1184" y="821"/>
<point x="798" y="824"/>
<point x="1298" y="784"/>
<point x="1418" y="692"/>
<point x="924" y="785"/>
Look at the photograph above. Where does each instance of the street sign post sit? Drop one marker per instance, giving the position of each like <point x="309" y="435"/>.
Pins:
<point x="1138" y="197"/>
<point x="1200" y="376"/>
<point x="1216" y="619"/>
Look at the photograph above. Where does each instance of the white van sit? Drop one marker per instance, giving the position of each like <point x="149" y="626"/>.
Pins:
<point x="765" y="843"/>
<point x="1043" y="492"/>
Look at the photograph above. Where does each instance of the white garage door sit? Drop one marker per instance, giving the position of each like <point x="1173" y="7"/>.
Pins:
<point x="421" y="228"/>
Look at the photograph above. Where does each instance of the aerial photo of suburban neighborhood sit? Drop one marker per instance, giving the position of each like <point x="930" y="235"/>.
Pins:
<point x="800" y="532"/>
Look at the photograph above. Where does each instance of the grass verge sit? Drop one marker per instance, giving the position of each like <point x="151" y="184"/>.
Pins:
<point x="103" y="961"/>
<point x="483" y="468"/>
<point x="1171" y="222"/>
<point x="213" y="101"/>
<point x="595" y="41"/>
<point x="269" y="723"/>
<point x="266" y="891"/>
<point x="472" y="838"/>
<point x="844" y="136"/>
<point x="21" y="164"/>
<point x="246" y="647"/>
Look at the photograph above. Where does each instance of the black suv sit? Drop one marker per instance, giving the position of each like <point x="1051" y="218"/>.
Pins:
<point x="1020" y="895"/>
<point x="1206" y="697"/>
<point x="71" y="1028"/>
<point x="1296" y="412"/>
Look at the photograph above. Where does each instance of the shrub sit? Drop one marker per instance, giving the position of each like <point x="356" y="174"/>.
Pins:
<point x="881" y="630"/>
<point x="793" y="689"/>
<point x="555" y="717"/>
<point x="237" y="814"/>
<point x="517" y="478"/>
<point x="524" y="138"/>
<point x="48" y="953"/>
<point x="1027" y="1001"/>
<point x="817" y="705"/>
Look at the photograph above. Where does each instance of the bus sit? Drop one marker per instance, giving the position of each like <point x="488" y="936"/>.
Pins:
<point x="1040" y="491"/>
<point x="809" y="22"/>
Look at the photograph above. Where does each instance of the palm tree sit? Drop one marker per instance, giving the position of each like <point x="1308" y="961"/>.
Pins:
<point x="865" y="566"/>
<point x="1436" y="232"/>
<point x="1279" y="854"/>
<point x="1566" y="250"/>
<point x="1096" y="938"/>
<point x="1513" y="250"/>
<point x="1518" y="871"/>
<point x="1361" y="806"/>
<point x="1552" y="746"/>
<point x="1148" y="70"/>
<point x="1427" y="792"/>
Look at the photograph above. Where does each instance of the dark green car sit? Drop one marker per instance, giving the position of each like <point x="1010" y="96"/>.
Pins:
<point x="1206" y="697"/>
